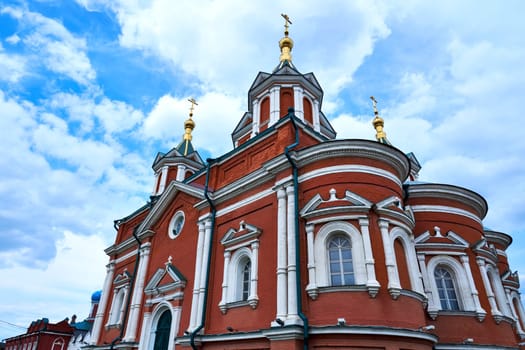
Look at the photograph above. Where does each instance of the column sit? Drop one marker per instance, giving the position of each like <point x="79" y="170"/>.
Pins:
<point x="144" y="333"/>
<point x="155" y="184"/>
<point x="479" y="310"/>
<point x="390" y="261"/>
<point x="311" y="288"/>
<point x="488" y="288"/>
<point x="298" y="94"/>
<point x="253" y="297"/>
<point x="224" y="300"/>
<point x="292" y="278"/>
<point x="181" y="172"/>
<point x="256" y="121"/>
<point x="99" y="318"/>
<point x="204" y="267"/>
<point x="196" y="280"/>
<point x="432" y="307"/>
<point x="282" y="293"/>
<point x="163" y="177"/>
<point x="275" y="105"/>
<point x="138" y="291"/>
<point x="315" y="112"/>
<point x="371" y="282"/>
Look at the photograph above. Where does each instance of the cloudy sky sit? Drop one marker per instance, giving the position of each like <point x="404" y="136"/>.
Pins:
<point x="91" y="90"/>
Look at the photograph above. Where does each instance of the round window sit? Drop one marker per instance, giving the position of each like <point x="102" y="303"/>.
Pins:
<point x="176" y="224"/>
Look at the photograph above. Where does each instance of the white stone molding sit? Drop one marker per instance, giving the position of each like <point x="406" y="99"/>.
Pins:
<point x="315" y="111"/>
<point x="198" y="272"/>
<point x="518" y="313"/>
<point x="311" y="288"/>
<point x="321" y="252"/>
<point x="443" y="209"/>
<point x="155" y="184"/>
<point x="432" y="308"/>
<point x="99" y="318"/>
<point x="224" y="300"/>
<point x="181" y="172"/>
<point x="394" y="287"/>
<point x="150" y="321"/>
<point x="499" y="291"/>
<point x="467" y="297"/>
<point x="253" y="298"/>
<point x="298" y="94"/>
<point x="407" y="241"/>
<point x="138" y="292"/>
<point x="204" y="266"/>
<point x="163" y="179"/>
<point x="291" y="267"/>
<point x="256" y="116"/>
<point x="282" y="252"/>
<point x="474" y="292"/>
<point x="371" y="282"/>
<point x="496" y="314"/>
<point x="275" y="104"/>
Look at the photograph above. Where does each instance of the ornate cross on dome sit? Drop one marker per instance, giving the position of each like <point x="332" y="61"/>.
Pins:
<point x="193" y="104"/>
<point x="286" y="22"/>
<point x="374" y="103"/>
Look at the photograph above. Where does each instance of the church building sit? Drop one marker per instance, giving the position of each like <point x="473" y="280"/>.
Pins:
<point x="298" y="240"/>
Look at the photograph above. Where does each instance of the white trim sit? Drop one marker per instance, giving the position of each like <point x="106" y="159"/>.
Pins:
<point x="350" y="168"/>
<point x="171" y="227"/>
<point x="446" y="210"/>
<point x="321" y="256"/>
<point x="239" y="204"/>
<point x="407" y="241"/>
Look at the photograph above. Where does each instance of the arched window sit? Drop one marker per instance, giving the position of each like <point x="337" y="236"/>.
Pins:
<point x="446" y="288"/>
<point x="117" y="306"/>
<point x="340" y="258"/>
<point x="162" y="331"/>
<point x="244" y="277"/>
<point x="58" y="344"/>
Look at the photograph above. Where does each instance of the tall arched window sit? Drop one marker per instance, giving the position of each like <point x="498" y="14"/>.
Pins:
<point x="162" y="331"/>
<point x="340" y="257"/>
<point x="245" y="283"/>
<point x="446" y="289"/>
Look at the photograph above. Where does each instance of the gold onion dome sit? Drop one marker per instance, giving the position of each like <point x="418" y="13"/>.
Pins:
<point x="378" y="124"/>
<point x="286" y="43"/>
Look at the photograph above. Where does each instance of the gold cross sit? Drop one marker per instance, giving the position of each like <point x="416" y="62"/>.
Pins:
<point x="193" y="104"/>
<point x="374" y="103"/>
<point x="286" y="21"/>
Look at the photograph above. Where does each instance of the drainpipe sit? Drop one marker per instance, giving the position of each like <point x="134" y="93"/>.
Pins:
<point x="208" y="268"/>
<point x="126" y="311"/>
<point x="297" y="245"/>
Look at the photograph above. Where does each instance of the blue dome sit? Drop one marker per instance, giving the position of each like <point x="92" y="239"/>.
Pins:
<point x="96" y="296"/>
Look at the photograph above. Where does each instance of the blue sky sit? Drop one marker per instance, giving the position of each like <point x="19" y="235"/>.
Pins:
<point x="91" y="90"/>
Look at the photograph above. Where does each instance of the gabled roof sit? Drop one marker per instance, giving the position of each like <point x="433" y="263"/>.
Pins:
<point x="165" y="280"/>
<point x="178" y="154"/>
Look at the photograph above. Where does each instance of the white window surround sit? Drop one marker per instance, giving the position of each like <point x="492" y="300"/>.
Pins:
<point x="518" y="314"/>
<point x="321" y="267"/>
<point x="121" y="285"/>
<point x="176" y="224"/>
<point x="409" y="248"/>
<point x="58" y="344"/>
<point x="498" y="290"/>
<point x="150" y="325"/>
<point x="241" y="245"/>
<point x="463" y="288"/>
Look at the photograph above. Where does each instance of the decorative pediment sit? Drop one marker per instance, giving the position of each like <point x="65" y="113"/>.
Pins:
<point x="511" y="279"/>
<point x="168" y="279"/>
<point x="349" y="202"/>
<point x="438" y="240"/>
<point x="122" y="279"/>
<point x="244" y="235"/>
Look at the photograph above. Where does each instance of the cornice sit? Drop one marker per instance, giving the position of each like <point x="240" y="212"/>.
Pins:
<point x="455" y="193"/>
<point x="498" y="237"/>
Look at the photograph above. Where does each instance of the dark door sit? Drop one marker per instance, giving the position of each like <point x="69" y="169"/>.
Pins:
<point x="162" y="333"/>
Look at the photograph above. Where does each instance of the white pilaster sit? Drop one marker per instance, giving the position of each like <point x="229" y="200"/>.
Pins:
<point x="488" y="288"/>
<point x="311" y="288"/>
<point x="432" y="308"/>
<point x="181" y="172"/>
<point x="222" y="303"/>
<point x="275" y="104"/>
<point x="99" y="318"/>
<point x="155" y="184"/>
<point x="292" y="295"/>
<point x="256" y="117"/>
<point x="196" y="280"/>
<point x="146" y="329"/>
<point x="138" y="291"/>
<point x="371" y="283"/>
<point x="163" y="179"/>
<point x="298" y="94"/>
<point x="315" y="112"/>
<point x="391" y="266"/>
<point x="517" y="317"/>
<point x="282" y="293"/>
<point x="253" y="297"/>
<point x="204" y="266"/>
<point x="475" y="297"/>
